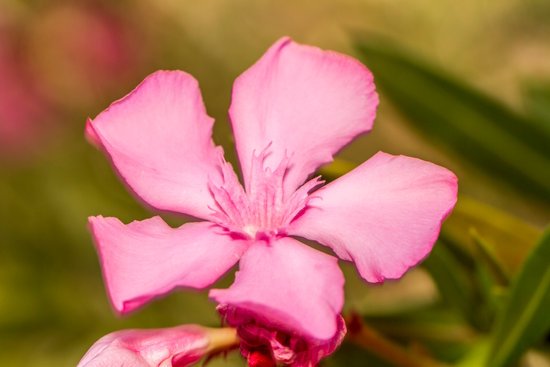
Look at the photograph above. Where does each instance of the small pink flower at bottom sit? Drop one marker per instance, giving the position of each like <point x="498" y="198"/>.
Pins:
<point x="265" y="344"/>
<point x="179" y="346"/>
<point x="290" y="112"/>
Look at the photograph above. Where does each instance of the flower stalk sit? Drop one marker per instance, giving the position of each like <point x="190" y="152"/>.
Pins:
<point x="222" y="339"/>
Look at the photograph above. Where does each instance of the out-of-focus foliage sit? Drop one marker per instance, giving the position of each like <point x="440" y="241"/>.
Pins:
<point x="457" y="117"/>
<point x="537" y="102"/>
<point x="479" y="103"/>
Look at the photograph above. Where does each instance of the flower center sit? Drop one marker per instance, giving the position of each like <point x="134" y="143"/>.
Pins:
<point x="262" y="210"/>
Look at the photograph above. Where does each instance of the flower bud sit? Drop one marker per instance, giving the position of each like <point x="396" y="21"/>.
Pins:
<point x="178" y="346"/>
<point x="268" y="345"/>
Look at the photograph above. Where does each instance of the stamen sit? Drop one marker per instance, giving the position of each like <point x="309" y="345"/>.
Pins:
<point x="263" y="210"/>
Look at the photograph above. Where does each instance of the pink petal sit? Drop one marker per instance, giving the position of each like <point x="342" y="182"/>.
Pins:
<point x="385" y="215"/>
<point x="290" y="286"/>
<point x="183" y="345"/>
<point x="305" y="102"/>
<point x="146" y="259"/>
<point x="159" y="140"/>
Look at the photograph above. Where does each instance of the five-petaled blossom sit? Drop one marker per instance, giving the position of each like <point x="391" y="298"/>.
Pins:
<point x="290" y="113"/>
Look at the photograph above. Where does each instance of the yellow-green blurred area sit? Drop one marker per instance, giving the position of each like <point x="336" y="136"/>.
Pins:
<point x="465" y="84"/>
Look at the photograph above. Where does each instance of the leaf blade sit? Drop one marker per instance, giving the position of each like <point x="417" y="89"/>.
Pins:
<point x="530" y="299"/>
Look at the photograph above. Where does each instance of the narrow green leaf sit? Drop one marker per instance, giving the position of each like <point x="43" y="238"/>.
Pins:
<point x="472" y="124"/>
<point x="461" y="286"/>
<point x="536" y="97"/>
<point x="489" y="258"/>
<point x="477" y="355"/>
<point x="452" y="280"/>
<point x="526" y="318"/>
<point x="509" y="238"/>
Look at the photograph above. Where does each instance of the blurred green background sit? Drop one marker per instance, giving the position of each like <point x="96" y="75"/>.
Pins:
<point x="463" y="84"/>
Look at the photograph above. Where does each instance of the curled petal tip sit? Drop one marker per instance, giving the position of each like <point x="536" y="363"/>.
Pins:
<point x="90" y="134"/>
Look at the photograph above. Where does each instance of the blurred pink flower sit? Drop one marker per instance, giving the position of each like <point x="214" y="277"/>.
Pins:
<point x="290" y="112"/>
<point x="55" y="58"/>
<point x="170" y="347"/>
<point x="24" y="112"/>
<point x="264" y="344"/>
<point x="81" y="49"/>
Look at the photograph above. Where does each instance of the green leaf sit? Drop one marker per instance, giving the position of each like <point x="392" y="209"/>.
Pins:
<point x="525" y="318"/>
<point x="458" y="117"/>
<point x="536" y="97"/>
<point x="461" y="286"/>
<point x="507" y="237"/>
<point x="489" y="259"/>
<point x="452" y="280"/>
<point x="477" y="354"/>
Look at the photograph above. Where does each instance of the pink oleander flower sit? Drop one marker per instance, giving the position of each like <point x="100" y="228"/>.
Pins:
<point x="265" y="345"/>
<point x="179" y="346"/>
<point x="290" y="112"/>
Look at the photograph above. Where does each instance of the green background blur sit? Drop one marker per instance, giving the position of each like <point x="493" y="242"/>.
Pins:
<point x="463" y="84"/>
